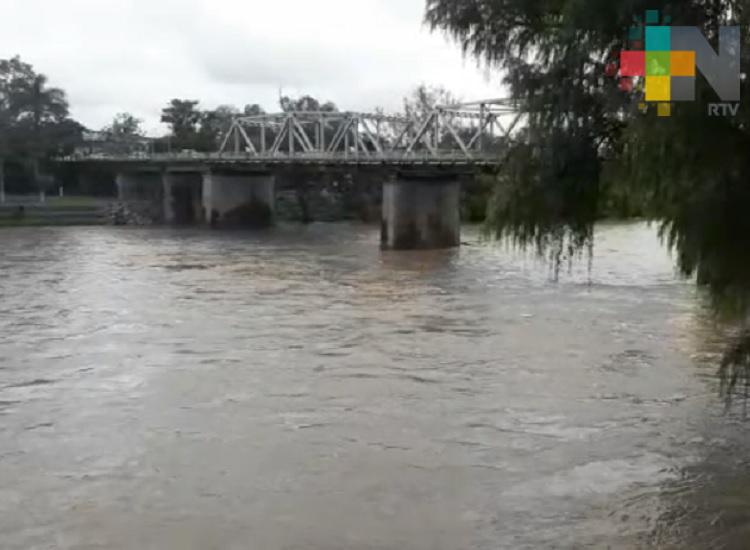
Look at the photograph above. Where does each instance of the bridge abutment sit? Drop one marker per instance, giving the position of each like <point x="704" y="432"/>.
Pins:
<point x="239" y="199"/>
<point x="183" y="198"/>
<point x="421" y="212"/>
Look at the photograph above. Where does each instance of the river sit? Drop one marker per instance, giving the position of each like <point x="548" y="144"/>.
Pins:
<point x="300" y="389"/>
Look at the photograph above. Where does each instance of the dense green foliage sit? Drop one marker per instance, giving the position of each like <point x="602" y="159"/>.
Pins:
<point x="587" y="152"/>
<point x="124" y="125"/>
<point x="192" y="128"/>
<point x="305" y="103"/>
<point x="195" y="129"/>
<point x="423" y="99"/>
<point x="34" y="124"/>
<point x="182" y="117"/>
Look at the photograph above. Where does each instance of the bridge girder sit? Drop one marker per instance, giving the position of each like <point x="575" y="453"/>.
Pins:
<point x="467" y="131"/>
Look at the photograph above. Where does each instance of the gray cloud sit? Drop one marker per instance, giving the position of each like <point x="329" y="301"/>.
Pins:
<point x="135" y="56"/>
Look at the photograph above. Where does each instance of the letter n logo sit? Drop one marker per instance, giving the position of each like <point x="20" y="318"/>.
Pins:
<point x="722" y="70"/>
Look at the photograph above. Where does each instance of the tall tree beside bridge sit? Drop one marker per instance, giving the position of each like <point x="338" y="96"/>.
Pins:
<point x="34" y="121"/>
<point x="125" y="125"/>
<point x="253" y="109"/>
<point x="213" y="125"/>
<point x="182" y="116"/>
<point x="306" y="103"/>
<point x="198" y="129"/>
<point x="423" y="100"/>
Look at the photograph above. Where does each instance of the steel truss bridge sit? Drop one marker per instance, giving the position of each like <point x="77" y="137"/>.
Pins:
<point x="469" y="134"/>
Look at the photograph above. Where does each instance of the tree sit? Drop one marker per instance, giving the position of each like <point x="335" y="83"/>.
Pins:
<point x="200" y="130"/>
<point x="125" y="125"/>
<point x="306" y="103"/>
<point x="214" y="125"/>
<point x="34" y="120"/>
<point x="584" y="142"/>
<point x="44" y="104"/>
<point x="554" y="57"/>
<point x="424" y="99"/>
<point x="182" y="117"/>
<point x="579" y="122"/>
<point x="253" y="110"/>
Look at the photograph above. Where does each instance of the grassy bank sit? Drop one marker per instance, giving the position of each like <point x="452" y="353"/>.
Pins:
<point x="55" y="211"/>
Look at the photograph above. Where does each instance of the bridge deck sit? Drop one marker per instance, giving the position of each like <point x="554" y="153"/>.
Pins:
<point x="458" y="159"/>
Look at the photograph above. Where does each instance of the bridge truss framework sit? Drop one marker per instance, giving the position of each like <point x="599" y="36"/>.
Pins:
<point x="470" y="132"/>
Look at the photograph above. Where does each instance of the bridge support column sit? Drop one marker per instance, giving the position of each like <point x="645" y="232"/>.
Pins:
<point x="183" y="197"/>
<point x="239" y="199"/>
<point x="138" y="186"/>
<point x="421" y="212"/>
<point x="139" y="197"/>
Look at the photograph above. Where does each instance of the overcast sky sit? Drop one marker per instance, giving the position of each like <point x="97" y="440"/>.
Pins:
<point x="135" y="55"/>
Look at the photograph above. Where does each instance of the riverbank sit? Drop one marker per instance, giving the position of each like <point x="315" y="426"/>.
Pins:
<point x="54" y="211"/>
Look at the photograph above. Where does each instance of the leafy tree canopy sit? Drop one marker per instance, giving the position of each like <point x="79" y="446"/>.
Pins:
<point x="424" y="99"/>
<point x="34" y="121"/>
<point x="182" y="116"/>
<point x="586" y="150"/>
<point x="125" y="125"/>
<point x="306" y="103"/>
<point x="253" y="110"/>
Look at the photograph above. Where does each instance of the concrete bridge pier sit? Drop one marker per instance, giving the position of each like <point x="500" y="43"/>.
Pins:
<point x="421" y="211"/>
<point x="183" y="194"/>
<point x="138" y="186"/>
<point x="239" y="199"/>
<point x="140" y="198"/>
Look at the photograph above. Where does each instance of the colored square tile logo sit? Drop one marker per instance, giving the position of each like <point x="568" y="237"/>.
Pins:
<point x="682" y="88"/>
<point x="632" y="63"/>
<point x="658" y="88"/>
<point x="663" y="61"/>
<point x="652" y="17"/>
<point x="658" y="63"/>
<point x="664" y="109"/>
<point x="682" y="63"/>
<point x="658" y="39"/>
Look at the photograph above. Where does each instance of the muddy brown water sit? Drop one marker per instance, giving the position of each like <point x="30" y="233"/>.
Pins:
<point x="300" y="389"/>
